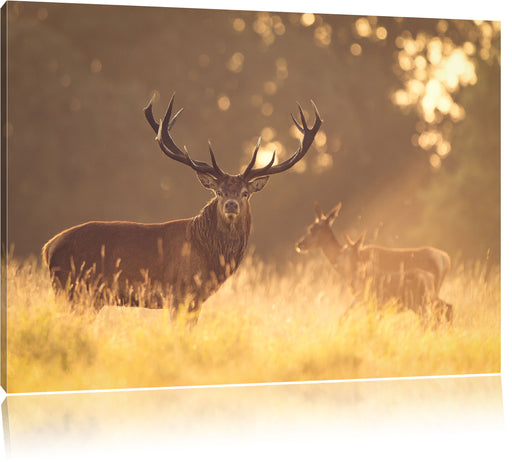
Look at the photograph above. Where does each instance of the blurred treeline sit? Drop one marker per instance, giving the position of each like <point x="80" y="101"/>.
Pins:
<point x="410" y="142"/>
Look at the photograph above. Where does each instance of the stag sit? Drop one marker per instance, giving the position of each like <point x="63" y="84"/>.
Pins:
<point x="320" y="234"/>
<point x="187" y="260"/>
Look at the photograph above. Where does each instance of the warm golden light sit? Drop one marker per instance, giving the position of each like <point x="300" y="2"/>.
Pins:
<point x="363" y="27"/>
<point x="435" y="161"/>
<point x="270" y="88"/>
<point x="236" y="62"/>
<point x="405" y="61"/>
<point x="238" y="24"/>
<point x="281" y="68"/>
<point x="469" y="48"/>
<point x="260" y="26"/>
<point x="381" y="33"/>
<point x="300" y="167"/>
<point x="294" y="132"/>
<point x="356" y="49"/>
<point x="323" y="162"/>
<point x="435" y="68"/>
<point x="415" y="89"/>
<point x="267" y="109"/>
<point x="223" y="102"/>
<point x="443" y="148"/>
<point x="321" y="139"/>
<point x="435" y="51"/>
<point x="307" y="19"/>
<point x="323" y="35"/>
<point x="279" y="29"/>
<point x="428" y="139"/>
<point x="268" y="134"/>
<point x="265" y="155"/>
<point x="256" y="100"/>
<point x="401" y="98"/>
<point x="457" y="112"/>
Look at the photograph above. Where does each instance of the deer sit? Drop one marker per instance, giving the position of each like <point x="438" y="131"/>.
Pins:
<point x="414" y="287"/>
<point x="187" y="260"/>
<point x="412" y="275"/>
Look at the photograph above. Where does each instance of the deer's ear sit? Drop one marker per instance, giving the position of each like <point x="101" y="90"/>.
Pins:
<point x="208" y="181"/>
<point x="350" y="242"/>
<point x="333" y="214"/>
<point x="258" y="184"/>
<point x="360" y="240"/>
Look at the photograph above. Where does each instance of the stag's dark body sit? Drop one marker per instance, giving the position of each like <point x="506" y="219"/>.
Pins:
<point x="186" y="259"/>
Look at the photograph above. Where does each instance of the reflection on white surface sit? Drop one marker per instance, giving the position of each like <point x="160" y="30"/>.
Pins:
<point x="424" y="419"/>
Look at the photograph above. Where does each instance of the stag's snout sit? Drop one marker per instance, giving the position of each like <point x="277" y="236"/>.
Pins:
<point x="231" y="209"/>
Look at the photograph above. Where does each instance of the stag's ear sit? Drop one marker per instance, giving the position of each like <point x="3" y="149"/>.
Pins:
<point x="208" y="181"/>
<point x="258" y="184"/>
<point x="333" y="214"/>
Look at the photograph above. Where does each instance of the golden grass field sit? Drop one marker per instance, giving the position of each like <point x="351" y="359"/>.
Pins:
<point x="263" y="325"/>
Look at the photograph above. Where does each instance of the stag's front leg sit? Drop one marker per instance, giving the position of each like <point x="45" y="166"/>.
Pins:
<point x="185" y="304"/>
<point x="194" y="309"/>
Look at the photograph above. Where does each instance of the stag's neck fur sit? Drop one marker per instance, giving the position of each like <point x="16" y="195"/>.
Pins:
<point x="223" y="244"/>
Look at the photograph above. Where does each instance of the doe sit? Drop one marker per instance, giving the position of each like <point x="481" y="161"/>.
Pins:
<point x="414" y="275"/>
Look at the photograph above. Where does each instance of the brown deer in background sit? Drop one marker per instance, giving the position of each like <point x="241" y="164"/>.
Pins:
<point x="414" y="275"/>
<point x="319" y="235"/>
<point x="435" y="261"/>
<point x="414" y="286"/>
<point x="186" y="260"/>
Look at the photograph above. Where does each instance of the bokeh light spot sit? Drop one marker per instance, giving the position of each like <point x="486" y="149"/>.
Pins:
<point x="307" y="19"/>
<point x="356" y="49"/>
<point x="223" y="102"/>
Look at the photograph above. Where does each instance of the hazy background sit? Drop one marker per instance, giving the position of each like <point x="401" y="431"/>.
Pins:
<point x="410" y="142"/>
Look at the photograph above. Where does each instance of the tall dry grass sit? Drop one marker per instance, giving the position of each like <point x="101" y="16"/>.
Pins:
<point x="264" y="325"/>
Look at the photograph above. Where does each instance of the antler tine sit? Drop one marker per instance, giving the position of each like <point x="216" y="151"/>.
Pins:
<point x="164" y="134"/>
<point x="148" y="112"/>
<point x="214" y="162"/>
<point x="200" y="166"/>
<point x="253" y="158"/>
<point x="304" y="144"/>
<point x="250" y="171"/>
<point x="263" y="170"/>
<point x="169" y="147"/>
<point x="302" y="118"/>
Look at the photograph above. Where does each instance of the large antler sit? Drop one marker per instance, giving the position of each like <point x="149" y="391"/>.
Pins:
<point x="169" y="147"/>
<point x="309" y="135"/>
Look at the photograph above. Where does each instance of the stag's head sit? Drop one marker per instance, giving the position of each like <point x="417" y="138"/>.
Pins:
<point x="232" y="191"/>
<point x="319" y="231"/>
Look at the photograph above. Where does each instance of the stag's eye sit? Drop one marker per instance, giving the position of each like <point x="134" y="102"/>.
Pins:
<point x="220" y="194"/>
<point x="245" y="194"/>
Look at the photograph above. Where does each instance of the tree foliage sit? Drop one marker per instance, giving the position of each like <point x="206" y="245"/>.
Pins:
<point x="79" y="148"/>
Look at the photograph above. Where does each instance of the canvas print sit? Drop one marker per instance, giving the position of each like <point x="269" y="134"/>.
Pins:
<point x="202" y="197"/>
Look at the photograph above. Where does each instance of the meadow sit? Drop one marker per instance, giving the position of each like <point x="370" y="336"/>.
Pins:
<point x="266" y="324"/>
